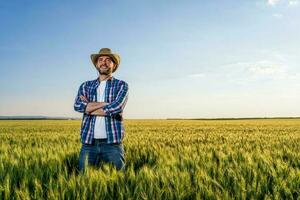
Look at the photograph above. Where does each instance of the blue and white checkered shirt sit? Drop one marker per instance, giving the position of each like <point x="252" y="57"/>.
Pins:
<point x="116" y="94"/>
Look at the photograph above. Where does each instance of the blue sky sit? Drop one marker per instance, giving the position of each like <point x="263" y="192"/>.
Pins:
<point x="189" y="59"/>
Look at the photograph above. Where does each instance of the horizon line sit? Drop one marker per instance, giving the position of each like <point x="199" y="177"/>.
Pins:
<point x="40" y="117"/>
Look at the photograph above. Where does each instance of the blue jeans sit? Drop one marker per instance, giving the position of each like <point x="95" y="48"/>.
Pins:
<point x="101" y="152"/>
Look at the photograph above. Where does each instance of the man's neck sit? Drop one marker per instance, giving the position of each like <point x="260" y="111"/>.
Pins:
<point x="104" y="77"/>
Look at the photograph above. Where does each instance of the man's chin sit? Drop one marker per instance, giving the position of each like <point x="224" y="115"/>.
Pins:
<point x="104" y="73"/>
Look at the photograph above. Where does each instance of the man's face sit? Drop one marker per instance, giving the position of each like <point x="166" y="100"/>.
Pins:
<point x="105" y="65"/>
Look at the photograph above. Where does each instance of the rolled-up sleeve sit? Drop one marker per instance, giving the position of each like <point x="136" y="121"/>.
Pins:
<point x="119" y="103"/>
<point x="80" y="105"/>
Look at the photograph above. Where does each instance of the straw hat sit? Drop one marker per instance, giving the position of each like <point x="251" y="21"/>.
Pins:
<point x="106" y="52"/>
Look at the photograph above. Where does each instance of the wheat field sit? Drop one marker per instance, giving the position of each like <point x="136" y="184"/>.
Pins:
<point x="165" y="159"/>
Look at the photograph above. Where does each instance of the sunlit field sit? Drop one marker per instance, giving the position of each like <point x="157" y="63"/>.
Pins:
<point x="165" y="159"/>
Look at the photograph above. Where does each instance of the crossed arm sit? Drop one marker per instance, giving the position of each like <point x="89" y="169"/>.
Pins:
<point x="115" y="108"/>
<point x="94" y="108"/>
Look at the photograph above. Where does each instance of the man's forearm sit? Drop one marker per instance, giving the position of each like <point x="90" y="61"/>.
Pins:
<point x="93" y="106"/>
<point x="98" y="112"/>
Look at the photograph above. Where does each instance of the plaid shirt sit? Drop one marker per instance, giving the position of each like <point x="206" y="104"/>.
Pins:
<point x="116" y="94"/>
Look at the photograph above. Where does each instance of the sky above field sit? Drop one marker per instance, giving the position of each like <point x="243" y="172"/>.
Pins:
<point x="181" y="59"/>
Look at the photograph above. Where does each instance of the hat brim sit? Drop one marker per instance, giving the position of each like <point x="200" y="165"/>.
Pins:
<point x="114" y="57"/>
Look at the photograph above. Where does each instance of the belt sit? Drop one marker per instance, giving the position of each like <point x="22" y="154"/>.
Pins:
<point x="101" y="140"/>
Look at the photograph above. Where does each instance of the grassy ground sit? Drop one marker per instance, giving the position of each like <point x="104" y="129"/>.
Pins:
<point x="165" y="159"/>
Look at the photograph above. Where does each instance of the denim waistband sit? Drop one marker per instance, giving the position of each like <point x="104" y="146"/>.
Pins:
<point x="100" y="140"/>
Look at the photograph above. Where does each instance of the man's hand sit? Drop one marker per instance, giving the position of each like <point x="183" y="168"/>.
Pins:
<point x="84" y="99"/>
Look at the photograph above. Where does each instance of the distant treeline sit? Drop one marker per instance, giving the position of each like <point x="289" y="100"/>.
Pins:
<point x="243" y="118"/>
<point x="35" y="118"/>
<point x="74" y="118"/>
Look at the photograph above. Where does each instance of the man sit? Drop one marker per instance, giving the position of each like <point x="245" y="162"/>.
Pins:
<point x="102" y="102"/>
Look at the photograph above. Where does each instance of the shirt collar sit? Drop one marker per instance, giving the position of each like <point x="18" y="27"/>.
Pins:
<point x="98" y="81"/>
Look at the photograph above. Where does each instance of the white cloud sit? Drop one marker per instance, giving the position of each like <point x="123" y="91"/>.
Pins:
<point x="286" y="2"/>
<point x="277" y="15"/>
<point x="293" y="2"/>
<point x="198" y="75"/>
<point x="272" y="2"/>
<point x="258" y="70"/>
<point x="267" y="68"/>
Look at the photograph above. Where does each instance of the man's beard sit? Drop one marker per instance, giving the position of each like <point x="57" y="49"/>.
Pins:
<point x="105" y="72"/>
